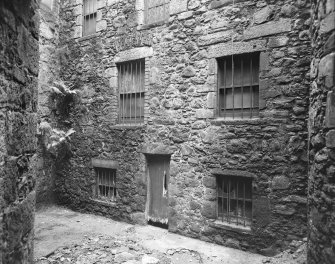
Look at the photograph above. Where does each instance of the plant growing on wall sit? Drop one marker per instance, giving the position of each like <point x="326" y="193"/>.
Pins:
<point x="56" y="141"/>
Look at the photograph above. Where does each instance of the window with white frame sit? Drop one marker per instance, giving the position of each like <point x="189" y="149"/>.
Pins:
<point x="89" y="17"/>
<point x="238" y="86"/>
<point x="131" y="79"/>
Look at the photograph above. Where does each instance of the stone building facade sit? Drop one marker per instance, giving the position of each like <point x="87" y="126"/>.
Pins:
<point x="19" y="56"/>
<point x="321" y="190"/>
<point x="182" y="155"/>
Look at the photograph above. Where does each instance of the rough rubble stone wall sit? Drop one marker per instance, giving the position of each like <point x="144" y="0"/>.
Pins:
<point x="19" y="23"/>
<point x="49" y="68"/>
<point x="321" y="214"/>
<point x="180" y="101"/>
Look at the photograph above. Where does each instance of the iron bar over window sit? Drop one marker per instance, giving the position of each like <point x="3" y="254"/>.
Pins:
<point x="89" y="17"/>
<point x="131" y="77"/>
<point x="106" y="184"/>
<point x="156" y="11"/>
<point x="238" y="87"/>
<point x="234" y="200"/>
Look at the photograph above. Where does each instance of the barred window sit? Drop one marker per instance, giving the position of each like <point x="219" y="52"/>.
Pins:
<point x="156" y="11"/>
<point x="89" y="17"/>
<point x="106" y="184"/>
<point x="238" y="87"/>
<point x="234" y="200"/>
<point x="131" y="89"/>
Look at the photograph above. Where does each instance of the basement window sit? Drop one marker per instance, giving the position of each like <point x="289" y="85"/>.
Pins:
<point x="89" y="17"/>
<point x="106" y="184"/>
<point x="131" y="92"/>
<point x="234" y="200"/>
<point x="156" y="11"/>
<point x="238" y="86"/>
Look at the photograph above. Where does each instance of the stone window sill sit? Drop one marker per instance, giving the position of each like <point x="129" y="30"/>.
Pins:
<point x="221" y="120"/>
<point x="125" y="127"/>
<point x="111" y="204"/>
<point x="152" y="25"/>
<point x="218" y="121"/>
<point x="94" y="35"/>
<point x="231" y="227"/>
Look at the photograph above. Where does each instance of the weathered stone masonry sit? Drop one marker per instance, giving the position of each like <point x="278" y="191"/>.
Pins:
<point x="49" y="68"/>
<point x="321" y="214"/>
<point x="19" y="24"/>
<point x="180" y="113"/>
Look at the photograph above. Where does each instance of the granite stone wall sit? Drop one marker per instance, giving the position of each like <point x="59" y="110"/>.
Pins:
<point x="180" y="56"/>
<point x="321" y="191"/>
<point x="49" y="68"/>
<point x="19" y="23"/>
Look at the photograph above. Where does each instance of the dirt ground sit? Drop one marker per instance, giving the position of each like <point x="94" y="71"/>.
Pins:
<point x="65" y="236"/>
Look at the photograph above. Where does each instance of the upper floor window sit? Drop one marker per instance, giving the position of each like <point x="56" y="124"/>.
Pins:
<point x="131" y="77"/>
<point x="89" y="17"/>
<point x="238" y="86"/>
<point x="156" y="11"/>
<point x="234" y="200"/>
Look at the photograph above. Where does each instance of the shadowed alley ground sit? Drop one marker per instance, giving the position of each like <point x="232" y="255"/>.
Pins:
<point x="65" y="236"/>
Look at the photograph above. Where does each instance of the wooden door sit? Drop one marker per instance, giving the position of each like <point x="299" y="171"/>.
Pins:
<point x="158" y="168"/>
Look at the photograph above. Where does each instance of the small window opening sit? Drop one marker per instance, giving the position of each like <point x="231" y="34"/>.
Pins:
<point x="89" y="17"/>
<point x="234" y="200"/>
<point x="106" y="184"/>
<point x="238" y="86"/>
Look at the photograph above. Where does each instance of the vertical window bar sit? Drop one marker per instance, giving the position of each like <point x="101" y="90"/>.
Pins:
<point x="229" y="198"/>
<point x="114" y="177"/>
<point x="119" y="87"/>
<point x="237" y="202"/>
<point x="222" y="201"/>
<point x="131" y="91"/>
<point x="244" y="216"/>
<point x="104" y="183"/>
<point x="251" y="87"/>
<point x="109" y="184"/>
<point x="224" y="90"/>
<point x="242" y="107"/>
<point x="123" y="91"/>
<point x="232" y="84"/>
<point x="141" y="90"/>
<point x="136" y="74"/>
<point x="98" y="178"/>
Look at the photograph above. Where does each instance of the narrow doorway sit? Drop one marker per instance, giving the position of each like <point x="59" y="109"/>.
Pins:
<point x="158" y="183"/>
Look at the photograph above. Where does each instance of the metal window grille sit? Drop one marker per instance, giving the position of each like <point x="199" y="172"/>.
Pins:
<point x="106" y="184"/>
<point x="89" y="17"/>
<point x="234" y="200"/>
<point x="156" y="11"/>
<point x="238" y="86"/>
<point x="131" y="77"/>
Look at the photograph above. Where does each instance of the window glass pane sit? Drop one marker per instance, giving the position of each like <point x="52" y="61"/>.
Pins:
<point x="229" y="99"/>
<point x="256" y="96"/>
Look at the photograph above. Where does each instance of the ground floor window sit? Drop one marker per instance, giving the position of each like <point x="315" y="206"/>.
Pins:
<point x="106" y="184"/>
<point x="234" y="200"/>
